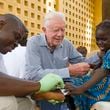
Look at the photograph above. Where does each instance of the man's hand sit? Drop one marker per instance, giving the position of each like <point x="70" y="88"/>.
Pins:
<point x="78" y="69"/>
<point x="56" y="95"/>
<point x="51" y="82"/>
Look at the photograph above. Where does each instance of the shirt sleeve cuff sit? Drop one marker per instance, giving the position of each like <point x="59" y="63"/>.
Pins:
<point x="64" y="73"/>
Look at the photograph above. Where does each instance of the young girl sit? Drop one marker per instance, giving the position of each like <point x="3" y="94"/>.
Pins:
<point x="94" y="86"/>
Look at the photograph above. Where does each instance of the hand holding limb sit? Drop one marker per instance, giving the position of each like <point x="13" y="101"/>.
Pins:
<point x="78" y="69"/>
<point x="51" y="82"/>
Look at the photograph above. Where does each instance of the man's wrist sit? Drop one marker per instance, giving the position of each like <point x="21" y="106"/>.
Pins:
<point x="35" y="91"/>
<point x="71" y="70"/>
<point x="39" y="86"/>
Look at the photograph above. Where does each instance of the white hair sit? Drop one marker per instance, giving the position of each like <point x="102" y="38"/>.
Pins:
<point x="49" y="16"/>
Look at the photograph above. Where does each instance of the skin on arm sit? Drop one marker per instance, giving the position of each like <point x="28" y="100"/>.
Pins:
<point x="98" y="75"/>
<point x="14" y="86"/>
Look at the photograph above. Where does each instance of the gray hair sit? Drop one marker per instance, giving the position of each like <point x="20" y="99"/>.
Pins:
<point x="49" y="16"/>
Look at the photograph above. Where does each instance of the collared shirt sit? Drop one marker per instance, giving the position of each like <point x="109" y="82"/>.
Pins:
<point x="41" y="61"/>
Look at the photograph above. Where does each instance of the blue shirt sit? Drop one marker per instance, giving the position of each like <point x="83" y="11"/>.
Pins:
<point x="106" y="60"/>
<point x="40" y="61"/>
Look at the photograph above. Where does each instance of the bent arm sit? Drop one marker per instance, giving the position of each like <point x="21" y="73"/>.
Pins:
<point x="98" y="75"/>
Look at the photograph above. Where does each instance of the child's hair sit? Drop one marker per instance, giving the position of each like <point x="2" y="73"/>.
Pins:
<point x="105" y="26"/>
<point x="82" y="50"/>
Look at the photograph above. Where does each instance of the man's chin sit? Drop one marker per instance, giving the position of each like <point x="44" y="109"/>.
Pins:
<point x="57" y="44"/>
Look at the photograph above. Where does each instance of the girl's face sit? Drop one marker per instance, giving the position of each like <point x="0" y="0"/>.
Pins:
<point x="103" y="39"/>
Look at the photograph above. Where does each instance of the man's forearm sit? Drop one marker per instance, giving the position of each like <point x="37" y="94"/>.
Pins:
<point x="15" y="86"/>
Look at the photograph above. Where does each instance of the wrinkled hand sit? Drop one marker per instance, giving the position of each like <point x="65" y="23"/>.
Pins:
<point x="78" y="69"/>
<point x="73" y="90"/>
<point x="51" y="82"/>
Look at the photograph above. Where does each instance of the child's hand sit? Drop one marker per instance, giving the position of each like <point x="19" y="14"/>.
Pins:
<point x="73" y="90"/>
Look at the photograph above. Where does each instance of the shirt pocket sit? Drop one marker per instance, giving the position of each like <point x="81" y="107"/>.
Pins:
<point x="62" y="63"/>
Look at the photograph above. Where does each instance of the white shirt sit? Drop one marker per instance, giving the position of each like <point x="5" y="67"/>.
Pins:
<point x="2" y="66"/>
<point x="15" y="61"/>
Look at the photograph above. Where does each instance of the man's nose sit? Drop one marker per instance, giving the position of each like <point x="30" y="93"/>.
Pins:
<point x="60" y="33"/>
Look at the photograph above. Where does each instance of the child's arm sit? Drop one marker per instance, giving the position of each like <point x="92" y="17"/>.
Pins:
<point x="98" y="75"/>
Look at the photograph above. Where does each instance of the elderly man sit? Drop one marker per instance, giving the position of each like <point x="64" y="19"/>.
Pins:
<point x="50" y="52"/>
<point x="11" y="31"/>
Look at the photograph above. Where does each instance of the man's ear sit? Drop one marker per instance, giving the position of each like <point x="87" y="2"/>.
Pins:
<point x="2" y="23"/>
<point x="43" y="29"/>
